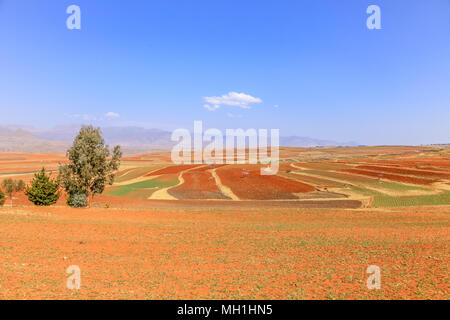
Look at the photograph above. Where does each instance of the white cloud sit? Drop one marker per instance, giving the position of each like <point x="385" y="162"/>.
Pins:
<point x="210" y="108"/>
<point x="112" y="115"/>
<point x="235" y="99"/>
<point x="230" y="115"/>
<point x="276" y="106"/>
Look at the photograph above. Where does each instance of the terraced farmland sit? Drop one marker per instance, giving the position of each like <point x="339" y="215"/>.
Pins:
<point x="247" y="183"/>
<point x="199" y="231"/>
<point x="198" y="184"/>
<point x="403" y="171"/>
<point x="375" y="176"/>
<point x="142" y="189"/>
<point x="133" y="173"/>
<point x="394" y="177"/>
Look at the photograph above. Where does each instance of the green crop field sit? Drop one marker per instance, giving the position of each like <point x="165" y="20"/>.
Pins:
<point x="133" y="187"/>
<point x="381" y="200"/>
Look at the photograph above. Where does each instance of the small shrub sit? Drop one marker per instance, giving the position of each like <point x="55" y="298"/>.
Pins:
<point x="20" y="185"/>
<point x="78" y="200"/>
<point x="2" y="198"/>
<point x="12" y="186"/>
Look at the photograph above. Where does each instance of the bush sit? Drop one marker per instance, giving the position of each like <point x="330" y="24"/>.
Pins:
<point x="78" y="200"/>
<point x="11" y="187"/>
<point x="2" y="198"/>
<point x="20" y="185"/>
<point x="43" y="190"/>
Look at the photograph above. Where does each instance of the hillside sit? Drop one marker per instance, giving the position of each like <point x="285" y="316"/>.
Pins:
<point x="133" y="140"/>
<point x="21" y="141"/>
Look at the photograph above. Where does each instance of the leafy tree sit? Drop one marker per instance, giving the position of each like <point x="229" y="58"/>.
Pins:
<point x="12" y="186"/>
<point x="43" y="190"/>
<point x="2" y="198"/>
<point x="91" y="165"/>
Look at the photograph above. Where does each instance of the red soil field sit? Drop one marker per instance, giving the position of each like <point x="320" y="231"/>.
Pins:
<point x="407" y="171"/>
<point x="167" y="177"/>
<point x="324" y="183"/>
<point x="25" y="177"/>
<point x="440" y="164"/>
<point x="123" y="172"/>
<point x="218" y="204"/>
<point x="198" y="184"/>
<point x="24" y="170"/>
<point x="345" y="176"/>
<point x="391" y="177"/>
<point x="322" y="165"/>
<point x="164" y="157"/>
<point x="173" y="169"/>
<point x="258" y="187"/>
<point x="31" y="157"/>
<point x="228" y="254"/>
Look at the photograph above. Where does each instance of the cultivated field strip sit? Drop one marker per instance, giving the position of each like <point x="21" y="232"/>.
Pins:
<point x="376" y="176"/>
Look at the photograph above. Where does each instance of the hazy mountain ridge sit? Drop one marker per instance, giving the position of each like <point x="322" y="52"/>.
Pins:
<point x="294" y="141"/>
<point x="132" y="139"/>
<point x="21" y="141"/>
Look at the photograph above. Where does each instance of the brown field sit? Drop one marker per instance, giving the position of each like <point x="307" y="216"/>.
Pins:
<point x="172" y="169"/>
<point x="198" y="184"/>
<point x="403" y="171"/>
<point x="247" y="183"/>
<point x="226" y="232"/>
<point x="223" y="254"/>
<point x="417" y="163"/>
<point x="389" y="176"/>
<point x="320" y="182"/>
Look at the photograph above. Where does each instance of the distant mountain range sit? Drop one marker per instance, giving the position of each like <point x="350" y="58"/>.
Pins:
<point x="306" y="142"/>
<point x="22" y="141"/>
<point x="134" y="140"/>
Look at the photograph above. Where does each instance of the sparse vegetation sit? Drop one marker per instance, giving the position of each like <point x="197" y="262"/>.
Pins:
<point x="2" y="198"/>
<point x="11" y="187"/>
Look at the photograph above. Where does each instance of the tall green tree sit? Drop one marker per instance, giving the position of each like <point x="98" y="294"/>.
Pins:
<point x="43" y="190"/>
<point x="92" y="165"/>
<point x="12" y="186"/>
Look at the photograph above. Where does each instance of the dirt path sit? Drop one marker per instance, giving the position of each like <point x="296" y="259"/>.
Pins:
<point x="163" y="194"/>
<point x="131" y="181"/>
<point x="126" y="173"/>
<point x="224" y="189"/>
<point x="441" y="186"/>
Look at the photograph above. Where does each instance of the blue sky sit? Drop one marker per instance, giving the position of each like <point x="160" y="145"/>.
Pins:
<point x="154" y="62"/>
